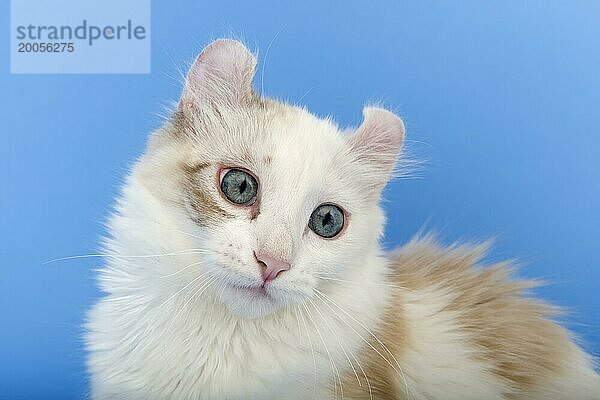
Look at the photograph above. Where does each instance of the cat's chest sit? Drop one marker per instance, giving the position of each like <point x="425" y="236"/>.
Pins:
<point x="214" y="359"/>
<point x="154" y="352"/>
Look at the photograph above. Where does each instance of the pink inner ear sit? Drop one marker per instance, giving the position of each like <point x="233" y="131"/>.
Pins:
<point x="220" y="58"/>
<point x="222" y="73"/>
<point x="379" y="138"/>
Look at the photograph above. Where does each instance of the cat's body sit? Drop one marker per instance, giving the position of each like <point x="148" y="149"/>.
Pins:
<point x="188" y="316"/>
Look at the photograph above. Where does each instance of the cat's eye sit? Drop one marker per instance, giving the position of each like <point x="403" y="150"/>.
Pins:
<point x="327" y="220"/>
<point x="239" y="187"/>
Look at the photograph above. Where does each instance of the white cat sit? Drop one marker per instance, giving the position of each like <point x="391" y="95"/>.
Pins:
<point x="243" y="263"/>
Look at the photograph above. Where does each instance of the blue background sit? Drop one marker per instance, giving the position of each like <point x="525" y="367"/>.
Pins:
<point x="501" y="97"/>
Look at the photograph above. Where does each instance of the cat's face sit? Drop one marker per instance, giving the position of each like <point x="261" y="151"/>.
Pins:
<point x="284" y="201"/>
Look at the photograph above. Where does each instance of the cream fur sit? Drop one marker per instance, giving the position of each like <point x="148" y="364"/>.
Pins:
<point x="171" y="325"/>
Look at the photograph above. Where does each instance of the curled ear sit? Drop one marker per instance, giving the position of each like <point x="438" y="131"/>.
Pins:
<point x="222" y="74"/>
<point x="377" y="144"/>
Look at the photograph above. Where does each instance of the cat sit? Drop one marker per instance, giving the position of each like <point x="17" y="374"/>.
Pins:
<point x="243" y="262"/>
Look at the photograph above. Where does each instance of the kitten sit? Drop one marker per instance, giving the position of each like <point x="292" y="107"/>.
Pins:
<point x="243" y="263"/>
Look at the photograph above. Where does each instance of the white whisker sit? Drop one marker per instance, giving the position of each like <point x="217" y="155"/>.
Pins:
<point x="182" y="289"/>
<point x="339" y="342"/>
<point x="181" y="270"/>
<point x="312" y="350"/>
<point x="353" y="356"/>
<point x="336" y="370"/>
<point x="117" y="256"/>
<point x="197" y="293"/>
<point x="399" y="371"/>
<point x="333" y="368"/>
<point x="264" y="63"/>
<point x="304" y="95"/>
<point x="189" y="234"/>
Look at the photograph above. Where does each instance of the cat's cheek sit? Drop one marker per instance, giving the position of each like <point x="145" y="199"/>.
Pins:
<point x="337" y="259"/>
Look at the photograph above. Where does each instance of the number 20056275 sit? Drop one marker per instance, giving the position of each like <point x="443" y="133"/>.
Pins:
<point x="35" y="47"/>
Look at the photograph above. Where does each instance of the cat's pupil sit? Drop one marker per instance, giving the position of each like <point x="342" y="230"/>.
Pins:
<point x="326" y="219"/>
<point x="243" y="186"/>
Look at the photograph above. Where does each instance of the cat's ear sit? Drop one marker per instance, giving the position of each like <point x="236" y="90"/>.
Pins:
<point x="222" y="75"/>
<point x="377" y="144"/>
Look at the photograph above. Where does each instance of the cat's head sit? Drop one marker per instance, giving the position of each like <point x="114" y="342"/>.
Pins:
<point x="285" y="202"/>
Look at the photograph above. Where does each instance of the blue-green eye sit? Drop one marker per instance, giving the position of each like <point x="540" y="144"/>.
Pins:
<point x="327" y="220"/>
<point x="239" y="187"/>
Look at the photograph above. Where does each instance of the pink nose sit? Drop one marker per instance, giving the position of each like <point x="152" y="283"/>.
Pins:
<point x="270" y="266"/>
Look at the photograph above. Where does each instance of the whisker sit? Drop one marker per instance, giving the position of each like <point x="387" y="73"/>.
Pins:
<point x="197" y="293"/>
<point x="217" y="281"/>
<point x="333" y="368"/>
<point x="181" y="270"/>
<point x="204" y="283"/>
<point x="107" y="255"/>
<point x="182" y="289"/>
<point x="399" y="372"/>
<point x="312" y="350"/>
<point x="339" y="342"/>
<point x="117" y="256"/>
<point x="336" y="370"/>
<point x="171" y="297"/>
<point x="304" y="95"/>
<point x="220" y="280"/>
<point x="222" y="286"/>
<point x="353" y="356"/>
<point x="264" y="63"/>
<point x="189" y="234"/>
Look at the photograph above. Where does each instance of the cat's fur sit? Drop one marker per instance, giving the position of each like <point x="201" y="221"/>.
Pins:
<point x="346" y="320"/>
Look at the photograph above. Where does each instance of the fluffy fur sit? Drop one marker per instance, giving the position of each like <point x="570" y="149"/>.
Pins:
<point x="347" y="320"/>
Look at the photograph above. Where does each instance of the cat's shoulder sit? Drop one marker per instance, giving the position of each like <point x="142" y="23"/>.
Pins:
<point x="484" y="310"/>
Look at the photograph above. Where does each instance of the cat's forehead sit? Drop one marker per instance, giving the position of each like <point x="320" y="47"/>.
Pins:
<point x="298" y="138"/>
<point x="276" y="138"/>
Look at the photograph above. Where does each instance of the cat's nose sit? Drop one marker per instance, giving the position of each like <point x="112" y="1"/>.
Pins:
<point x="270" y="266"/>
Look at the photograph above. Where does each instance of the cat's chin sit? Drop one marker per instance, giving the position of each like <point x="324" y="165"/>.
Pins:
<point x="249" y="303"/>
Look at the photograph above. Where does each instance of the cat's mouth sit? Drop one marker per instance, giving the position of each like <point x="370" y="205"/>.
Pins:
<point x="258" y="292"/>
<point x="257" y="299"/>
